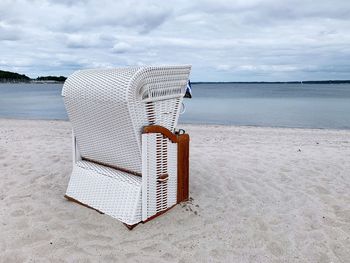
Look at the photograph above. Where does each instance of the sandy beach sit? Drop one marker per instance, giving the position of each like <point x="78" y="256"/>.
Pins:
<point x="257" y="195"/>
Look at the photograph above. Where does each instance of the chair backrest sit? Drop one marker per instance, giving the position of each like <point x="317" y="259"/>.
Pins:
<point x="109" y="107"/>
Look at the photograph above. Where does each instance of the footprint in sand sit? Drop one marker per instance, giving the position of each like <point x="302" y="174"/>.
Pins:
<point x="275" y="249"/>
<point x="321" y="190"/>
<point x="17" y="213"/>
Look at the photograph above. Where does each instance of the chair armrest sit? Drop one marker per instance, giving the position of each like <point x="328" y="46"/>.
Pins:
<point x="160" y="129"/>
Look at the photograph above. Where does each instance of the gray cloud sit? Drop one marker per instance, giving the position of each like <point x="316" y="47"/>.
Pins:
<point x="223" y="40"/>
<point x="9" y="33"/>
<point x="141" y="17"/>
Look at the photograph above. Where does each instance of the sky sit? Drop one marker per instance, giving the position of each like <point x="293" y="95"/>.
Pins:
<point x="243" y="40"/>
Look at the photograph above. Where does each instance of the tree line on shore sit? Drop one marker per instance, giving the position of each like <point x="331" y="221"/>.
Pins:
<point x="7" y="76"/>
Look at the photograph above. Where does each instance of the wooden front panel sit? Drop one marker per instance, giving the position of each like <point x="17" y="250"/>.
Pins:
<point x="183" y="167"/>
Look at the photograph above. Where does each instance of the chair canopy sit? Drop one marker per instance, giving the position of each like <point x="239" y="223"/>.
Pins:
<point x="109" y="107"/>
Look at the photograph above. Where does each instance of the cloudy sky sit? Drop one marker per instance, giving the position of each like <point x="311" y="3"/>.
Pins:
<point x="243" y="40"/>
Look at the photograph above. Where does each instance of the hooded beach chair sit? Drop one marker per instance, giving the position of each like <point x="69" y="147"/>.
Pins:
<point x="128" y="161"/>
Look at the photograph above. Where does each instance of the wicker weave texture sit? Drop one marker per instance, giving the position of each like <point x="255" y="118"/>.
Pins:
<point x="108" y="109"/>
<point x="110" y="191"/>
<point x="159" y="159"/>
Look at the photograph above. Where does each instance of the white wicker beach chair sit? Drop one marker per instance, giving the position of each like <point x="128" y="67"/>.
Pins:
<point x="127" y="161"/>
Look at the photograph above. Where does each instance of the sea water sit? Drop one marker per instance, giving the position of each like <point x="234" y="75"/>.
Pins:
<point x="275" y="105"/>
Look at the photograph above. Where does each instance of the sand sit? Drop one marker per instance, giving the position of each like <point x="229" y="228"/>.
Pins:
<point x="258" y="195"/>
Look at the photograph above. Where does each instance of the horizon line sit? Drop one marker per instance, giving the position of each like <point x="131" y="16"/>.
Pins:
<point x="277" y="82"/>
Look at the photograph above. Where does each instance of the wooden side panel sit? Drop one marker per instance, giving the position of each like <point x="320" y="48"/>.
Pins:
<point x="183" y="167"/>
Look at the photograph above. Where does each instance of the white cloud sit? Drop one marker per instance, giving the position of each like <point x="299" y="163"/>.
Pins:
<point x="223" y="40"/>
<point x="83" y="41"/>
<point x="121" y="47"/>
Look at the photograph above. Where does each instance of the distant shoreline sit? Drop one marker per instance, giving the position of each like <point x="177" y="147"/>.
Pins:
<point x="205" y="82"/>
<point x="31" y="82"/>
<point x="13" y="77"/>
<point x="275" y="82"/>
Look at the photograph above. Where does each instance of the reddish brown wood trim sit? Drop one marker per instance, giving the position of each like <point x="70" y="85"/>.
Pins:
<point x="160" y="129"/>
<point x="80" y="203"/>
<point x="158" y="214"/>
<point x="163" y="176"/>
<point x="111" y="166"/>
<point x="183" y="148"/>
<point x="131" y="227"/>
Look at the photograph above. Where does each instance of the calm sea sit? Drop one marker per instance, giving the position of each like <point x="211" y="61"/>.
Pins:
<point x="276" y="105"/>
